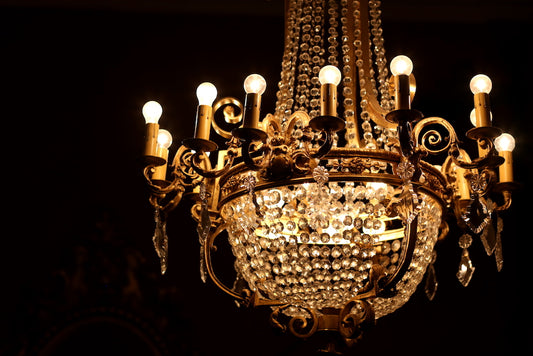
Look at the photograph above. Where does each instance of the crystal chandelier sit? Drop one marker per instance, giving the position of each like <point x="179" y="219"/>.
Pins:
<point x="330" y="205"/>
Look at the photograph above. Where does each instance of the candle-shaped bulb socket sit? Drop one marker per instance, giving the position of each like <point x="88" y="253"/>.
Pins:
<point x="206" y="94"/>
<point x="505" y="144"/>
<point x="402" y="67"/>
<point x="329" y="77"/>
<point x="481" y="85"/>
<point x="254" y="86"/>
<point x="152" y="112"/>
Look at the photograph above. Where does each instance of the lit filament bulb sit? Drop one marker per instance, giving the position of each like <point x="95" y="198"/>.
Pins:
<point x="505" y="144"/>
<point x="164" y="140"/>
<point x="481" y="85"/>
<point x="402" y="67"/>
<point x="254" y="86"/>
<point x="152" y="112"/>
<point x="329" y="77"/>
<point x="206" y="94"/>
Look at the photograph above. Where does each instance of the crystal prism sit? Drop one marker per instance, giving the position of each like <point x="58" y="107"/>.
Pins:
<point x="498" y="255"/>
<point x="160" y="240"/>
<point x="407" y="204"/>
<point x="431" y="282"/>
<point x="488" y="238"/>
<point x="466" y="269"/>
<point x="477" y="216"/>
<point x="203" y="268"/>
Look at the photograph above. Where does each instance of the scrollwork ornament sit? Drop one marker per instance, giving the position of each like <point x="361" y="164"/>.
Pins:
<point x="432" y="140"/>
<point x="356" y="317"/>
<point x="302" y="325"/>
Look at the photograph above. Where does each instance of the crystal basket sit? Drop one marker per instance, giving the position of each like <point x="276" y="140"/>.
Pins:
<point x="312" y="244"/>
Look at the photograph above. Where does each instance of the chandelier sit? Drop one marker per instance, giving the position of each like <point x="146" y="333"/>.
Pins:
<point x="333" y="204"/>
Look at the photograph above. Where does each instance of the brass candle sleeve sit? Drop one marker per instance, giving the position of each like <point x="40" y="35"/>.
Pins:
<point x="203" y="122"/>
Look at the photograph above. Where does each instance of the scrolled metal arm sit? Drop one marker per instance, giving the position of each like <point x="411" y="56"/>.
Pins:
<point x="199" y="158"/>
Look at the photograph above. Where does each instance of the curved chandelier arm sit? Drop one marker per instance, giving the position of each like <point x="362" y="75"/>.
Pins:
<point x="208" y="245"/>
<point x="199" y="159"/>
<point x="247" y="157"/>
<point x="489" y="160"/>
<point x="325" y="147"/>
<point x="410" y="236"/>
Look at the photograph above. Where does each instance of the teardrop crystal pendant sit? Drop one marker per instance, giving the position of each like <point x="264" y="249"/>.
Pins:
<point x="431" y="279"/>
<point x="160" y="239"/>
<point x="466" y="269"/>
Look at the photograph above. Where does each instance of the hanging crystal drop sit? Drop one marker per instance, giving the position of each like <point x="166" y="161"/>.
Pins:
<point x="203" y="228"/>
<point x="160" y="239"/>
<point x="431" y="278"/>
<point x="204" y="225"/>
<point x="477" y="215"/>
<point x="407" y="204"/>
<point x="498" y="255"/>
<point x="466" y="269"/>
<point x="489" y="238"/>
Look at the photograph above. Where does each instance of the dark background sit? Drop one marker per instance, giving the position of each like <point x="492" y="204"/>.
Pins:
<point x="78" y="271"/>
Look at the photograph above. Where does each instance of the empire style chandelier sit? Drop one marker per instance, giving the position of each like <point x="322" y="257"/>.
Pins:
<point x="330" y="205"/>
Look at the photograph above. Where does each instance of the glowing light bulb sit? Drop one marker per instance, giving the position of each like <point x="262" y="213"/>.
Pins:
<point x="152" y="111"/>
<point x="206" y="93"/>
<point x="473" y="117"/>
<point x="504" y="143"/>
<point x="329" y="75"/>
<point x="480" y="84"/>
<point x="164" y="139"/>
<point x="254" y="84"/>
<point x="401" y="65"/>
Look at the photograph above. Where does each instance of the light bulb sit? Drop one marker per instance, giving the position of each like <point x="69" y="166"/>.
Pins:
<point x="164" y="139"/>
<point x="254" y="84"/>
<point x="329" y="75"/>
<point x="206" y="93"/>
<point x="152" y="112"/>
<point x="504" y="143"/>
<point x="401" y="65"/>
<point x="473" y="117"/>
<point x="480" y="84"/>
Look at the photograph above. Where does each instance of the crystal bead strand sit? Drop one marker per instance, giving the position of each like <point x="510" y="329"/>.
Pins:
<point x="381" y="60"/>
<point x="366" y="126"/>
<point x="285" y="99"/>
<point x="348" y="81"/>
<point x="386" y="102"/>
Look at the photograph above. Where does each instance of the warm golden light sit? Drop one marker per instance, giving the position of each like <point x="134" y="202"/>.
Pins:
<point x="504" y="143"/>
<point x="206" y="94"/>
<point x="401" y="65"/>
<point x="480" y="84"/>
<point x="254" y="84"/>
<point x="164" y="139"/>
<point x="329" y="75"/>
<point x="152" y="111"/>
